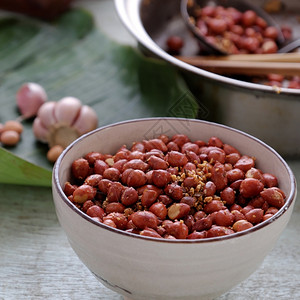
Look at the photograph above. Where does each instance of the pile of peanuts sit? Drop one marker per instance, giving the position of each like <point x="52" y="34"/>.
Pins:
<point x="235" y="31"/>
<point x="279" y="81"/>
<point x="174" y="188"/>
<point x="10" y="133"/>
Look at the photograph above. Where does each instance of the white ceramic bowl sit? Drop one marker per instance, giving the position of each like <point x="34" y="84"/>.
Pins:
<point x="147" y="268"/>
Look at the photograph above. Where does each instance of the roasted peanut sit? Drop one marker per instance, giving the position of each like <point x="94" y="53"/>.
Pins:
<point x="118" y="218"/>
<point x="150" y="232"/>
<point x="93" y="179"/>
<point x="159" y="209"/>
<point x="218" y="176"/>
<point x="215" y="141"/>
<point x="209" y="189"/>
<point x="143" y="219"/>
<point x="197" y="235"/>
<point x="238" y="215"/>
<point x="178" y="229"/>
<point x="136" y="164"/>
<point x="119" y="164"/>
<point x="216" y="155"/>
<point x="203" y="224"/>
<point x="190" y="147"/>
<point x="273" y="196"/>
<point x="157" y="163"/>
<point x="83" y="193"/>
<point x="228" y="149"/>
<point x="69" y="188"/>
<point x="190" y="201"/>
<point x="87" y="204"/>
<point x="129" y="196"/>
<point x="189" y="221"/>
<point x="174" y="191"/>
<point x="80" y="168"/>
<point x="176" y="159"/>
<point x="251" y="187"/>
<point x="254" y="173"/>
<point x="136" y="155"/>
<point x="138" y="146"/>
<point x="180" y="139"/>
<point x="270" y="180"/>
<point x="224" y="218"/>
<point x="178" y="210"/>
<point x="100" y="166"/>
<point x="190" y="182"/>
<point x="192" y="157"/>
<point x="95" y="211"/>
<point x="161" y="177"/>
<point x="109" y="222"/>
<point x="114" y="192"/>
<point x="255" y="215"/>
<point x="172" y="146"/>
<point x="104" y="185"/>
<point x="232" y="158"/>
<point x="241" y="225"/>
<point x="114" y="207"/>
<point x="213" y="206"/>
<point x="245" y="163"/>
<point x="235" y="174"/>
<point x="112" y="174"/>
<point x="216" y="231"/>
<point x="166" y="200"/>
<point x="136" y="178"/>
<point x="149" y="196"/>
<point x="155" y="144"/>
<point x="228" y="196"/>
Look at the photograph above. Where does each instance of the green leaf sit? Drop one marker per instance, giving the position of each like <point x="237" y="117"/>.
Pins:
<point x="70" y="58"/>
<point x="18" y="171"/>
<point x="78" y="22"/>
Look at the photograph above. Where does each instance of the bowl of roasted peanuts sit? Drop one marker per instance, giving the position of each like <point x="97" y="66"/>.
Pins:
<point x="171" y="208"/>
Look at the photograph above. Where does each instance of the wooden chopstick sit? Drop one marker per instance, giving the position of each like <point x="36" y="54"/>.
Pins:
<point x="236" y="64"/>
<point x="276" y="57"/>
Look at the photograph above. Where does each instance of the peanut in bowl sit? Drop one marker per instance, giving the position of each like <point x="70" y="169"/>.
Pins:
<point x="141" y="265"/>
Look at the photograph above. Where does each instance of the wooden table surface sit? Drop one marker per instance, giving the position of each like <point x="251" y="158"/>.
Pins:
<point x="37" y="262"/>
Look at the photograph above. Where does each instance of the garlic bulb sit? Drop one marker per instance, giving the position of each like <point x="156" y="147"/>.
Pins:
<point x="60" y="123"/>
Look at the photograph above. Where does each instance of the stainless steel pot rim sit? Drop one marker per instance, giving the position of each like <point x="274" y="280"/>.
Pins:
<point x="128" y="11"/>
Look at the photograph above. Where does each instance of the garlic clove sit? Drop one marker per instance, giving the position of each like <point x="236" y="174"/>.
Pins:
<point x="87" y="120"/>
<point x="40" y="132"/>
<point x="30" y="97"/>
<point x="67" y="109"/>
<point x="46" y="114"/>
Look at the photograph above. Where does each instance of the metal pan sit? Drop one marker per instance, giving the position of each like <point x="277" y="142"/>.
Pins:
<point x="268" y="113"/>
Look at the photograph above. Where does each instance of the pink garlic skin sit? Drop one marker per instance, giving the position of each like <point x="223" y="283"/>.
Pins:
<point x="30" y="97"/>
<point x="67" y="110"/>
<point x="46" y="114"/>
<point x="67" y="115"/>
<point x="40" y="131"/>
<point x="86" y="121"/>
